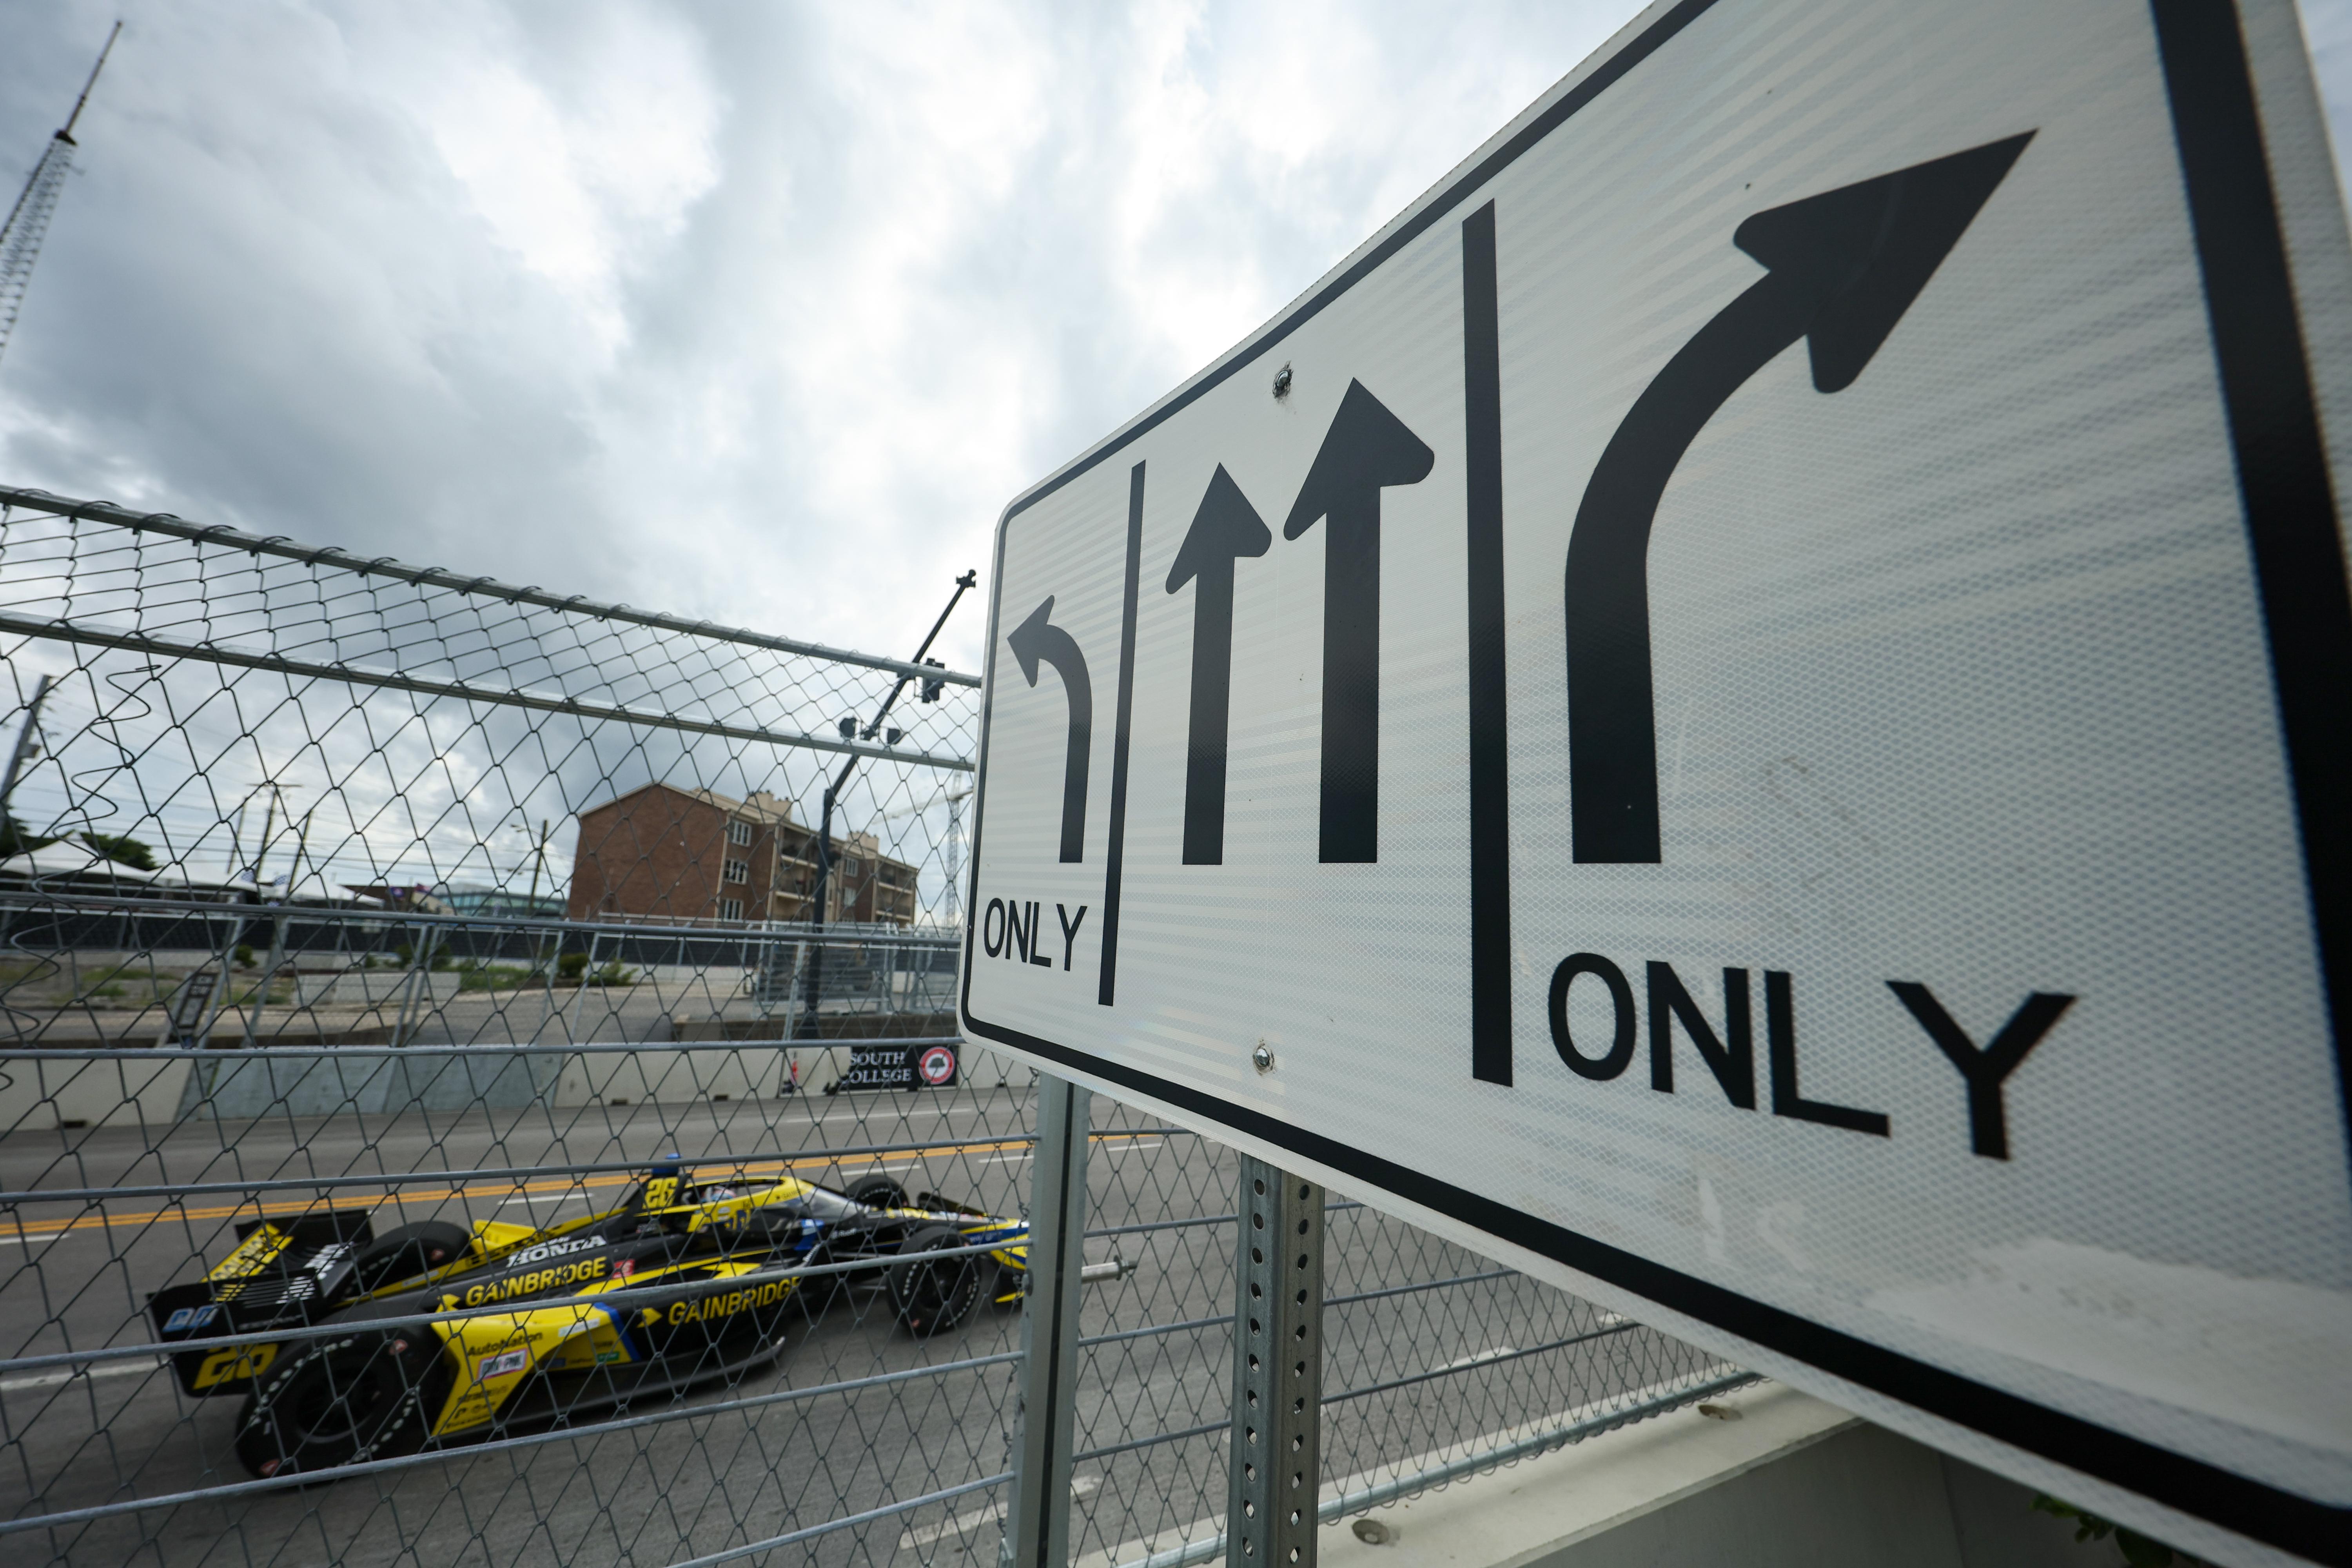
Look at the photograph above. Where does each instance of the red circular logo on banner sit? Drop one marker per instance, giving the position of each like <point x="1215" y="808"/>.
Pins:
<point x="938" y="1065"/>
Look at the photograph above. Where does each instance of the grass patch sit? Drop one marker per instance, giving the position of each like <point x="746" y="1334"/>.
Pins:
<point x="496" y="977"/>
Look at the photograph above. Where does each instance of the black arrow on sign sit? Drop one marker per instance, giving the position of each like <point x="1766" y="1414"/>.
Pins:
<point x="1844" y="266"/>
<point x="1034" y="639"/>
<point x="1226" y="529"/>
<point x="1366" y="449"/>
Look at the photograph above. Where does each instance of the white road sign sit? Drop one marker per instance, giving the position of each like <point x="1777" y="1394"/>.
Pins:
<point x="1751" y="702"/>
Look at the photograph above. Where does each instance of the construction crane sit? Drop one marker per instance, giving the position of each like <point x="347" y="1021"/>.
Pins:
<point x="28" y="220"/>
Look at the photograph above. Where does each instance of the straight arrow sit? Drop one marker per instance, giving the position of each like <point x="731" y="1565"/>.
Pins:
<point x="1034" y="639"/>
<point x="1366" y="450"/>
<point x="1844" y="266"/>
<point x="1224" y="529"/>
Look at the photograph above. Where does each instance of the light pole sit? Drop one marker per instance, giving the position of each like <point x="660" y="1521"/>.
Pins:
<point x="815" y="992"/>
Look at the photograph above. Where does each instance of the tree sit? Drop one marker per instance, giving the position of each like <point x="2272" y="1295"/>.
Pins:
<point x="122" y="850"/>
<point x="14" y="839"/>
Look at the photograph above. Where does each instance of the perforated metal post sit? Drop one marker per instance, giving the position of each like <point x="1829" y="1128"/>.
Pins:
<point x="1278" y="1372"/>
<point x="1037" y="1530"/>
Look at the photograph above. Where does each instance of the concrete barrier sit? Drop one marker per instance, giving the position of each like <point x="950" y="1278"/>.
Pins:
<point x="35" y="1096"/>
<point x="231" y="1085"/>
<point x="656" y="1076"/>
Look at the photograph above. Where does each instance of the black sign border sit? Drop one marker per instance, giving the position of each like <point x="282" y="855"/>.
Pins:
<point x="2288" y="497"/>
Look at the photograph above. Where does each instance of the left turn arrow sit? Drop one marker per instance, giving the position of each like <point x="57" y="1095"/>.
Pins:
<point x="1037" y="638"/>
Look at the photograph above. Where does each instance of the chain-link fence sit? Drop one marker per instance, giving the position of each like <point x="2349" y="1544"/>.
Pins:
<point x="1436" y="1363"/>
<point x="480" y="1084"/>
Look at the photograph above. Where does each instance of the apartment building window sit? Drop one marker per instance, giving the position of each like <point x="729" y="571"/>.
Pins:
<point x="739" y="871"/>
<point x="731" y="909"/>
<point x="739" y="833"/>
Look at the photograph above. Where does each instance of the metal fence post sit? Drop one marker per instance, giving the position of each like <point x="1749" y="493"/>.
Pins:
<point x="1277" y="1371"/>
<point x="1037" y="1530"/>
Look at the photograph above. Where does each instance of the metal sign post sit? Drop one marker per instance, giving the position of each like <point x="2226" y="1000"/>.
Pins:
<point x="1747" y="706"/>
<point x="1277" y="1371"/>
<point x="1037" y="1530"/>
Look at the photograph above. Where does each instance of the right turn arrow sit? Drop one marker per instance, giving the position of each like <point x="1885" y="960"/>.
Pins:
<point x="1034" y="639"/>
<point x="1226" y="529"/>
<point x="1843" y="267"/>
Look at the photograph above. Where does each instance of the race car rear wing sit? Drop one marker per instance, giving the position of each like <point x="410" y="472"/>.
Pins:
<point x="279" y="1272"/>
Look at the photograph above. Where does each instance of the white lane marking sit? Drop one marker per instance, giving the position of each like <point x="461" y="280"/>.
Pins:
<point x="973" y="1518"/>
<point x="53" y="1379"/>
<point x="1101" y="1150"/>
<point x="545" y="1198"/>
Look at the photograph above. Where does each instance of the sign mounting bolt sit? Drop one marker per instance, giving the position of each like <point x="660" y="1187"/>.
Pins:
<point x="1262" y="1058"/>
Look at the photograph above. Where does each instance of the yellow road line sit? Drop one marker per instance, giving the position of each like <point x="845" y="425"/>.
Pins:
<point x="268" y="1208"/>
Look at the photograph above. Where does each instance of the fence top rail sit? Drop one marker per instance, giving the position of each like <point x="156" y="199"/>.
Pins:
<point x="220" y="534"/>
<point x="211" y="652"/>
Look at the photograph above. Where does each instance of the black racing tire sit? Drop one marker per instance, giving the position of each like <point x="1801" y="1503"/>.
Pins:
<point x="406" y="1251"/>
<point x="878" y="1193"/>
<point x="935" y="1296"/>
<point x="342" y="1401"/>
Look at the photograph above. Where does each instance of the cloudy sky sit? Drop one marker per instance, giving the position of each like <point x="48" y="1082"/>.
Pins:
<point x="759" y="312"/>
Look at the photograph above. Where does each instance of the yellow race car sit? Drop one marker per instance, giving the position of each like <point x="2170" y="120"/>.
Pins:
<point x="715" y="1251"/>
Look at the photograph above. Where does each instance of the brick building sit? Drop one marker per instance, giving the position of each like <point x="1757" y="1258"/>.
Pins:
<point x="665" y="853"/>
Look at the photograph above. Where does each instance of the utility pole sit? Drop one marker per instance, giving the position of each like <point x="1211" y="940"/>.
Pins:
<point x="27" y="748"/>
<point x="261" y="851"/>
<point x="276" y="934"/>
<point x="538" y="864"/>
<point x="260" y="855"/>
<point x="28" y="220"/>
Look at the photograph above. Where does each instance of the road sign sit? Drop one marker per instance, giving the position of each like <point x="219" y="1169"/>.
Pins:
<point x="1750" y="704"/>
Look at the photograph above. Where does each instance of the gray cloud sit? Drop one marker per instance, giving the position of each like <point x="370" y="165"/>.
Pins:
<point x="748" y="313"/>
<point x="753" y="312"/>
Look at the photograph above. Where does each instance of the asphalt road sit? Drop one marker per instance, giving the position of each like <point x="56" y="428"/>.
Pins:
<point x="694" y="1478"/>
